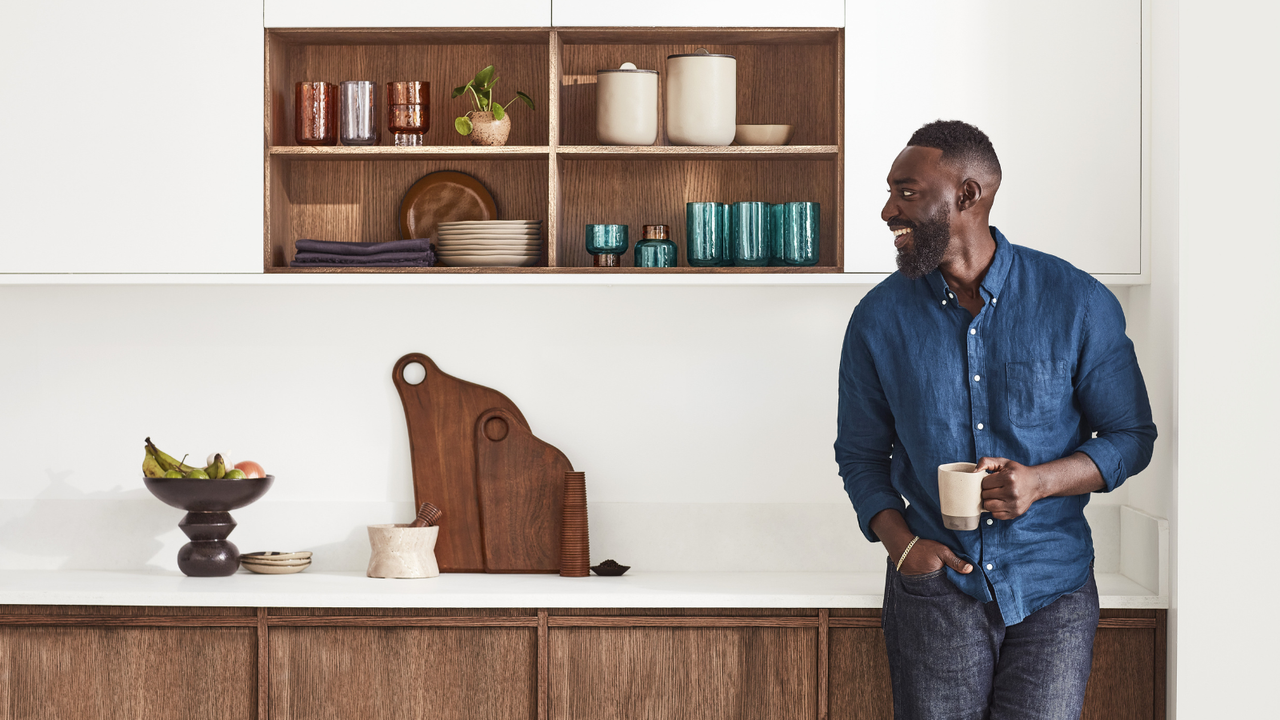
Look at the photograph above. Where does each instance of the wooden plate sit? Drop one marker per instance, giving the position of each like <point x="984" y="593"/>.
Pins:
<point x="443" y="196"/>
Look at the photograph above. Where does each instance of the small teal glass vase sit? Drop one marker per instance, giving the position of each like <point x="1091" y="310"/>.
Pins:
<point x="656" y="250"/>
<point x="607" y="243"/>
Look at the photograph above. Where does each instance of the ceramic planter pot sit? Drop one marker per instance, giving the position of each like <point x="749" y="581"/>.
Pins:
<point x="487" y="131"/>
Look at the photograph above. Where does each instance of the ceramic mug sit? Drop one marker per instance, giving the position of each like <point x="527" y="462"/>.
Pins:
<point x="960" y="495"/>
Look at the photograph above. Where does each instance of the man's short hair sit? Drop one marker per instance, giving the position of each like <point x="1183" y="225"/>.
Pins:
<point x="959" y="142"/>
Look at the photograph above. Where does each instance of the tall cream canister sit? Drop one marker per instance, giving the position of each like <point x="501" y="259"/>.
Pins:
<point x="627" y="106"/>
<point x="702" y="98"/>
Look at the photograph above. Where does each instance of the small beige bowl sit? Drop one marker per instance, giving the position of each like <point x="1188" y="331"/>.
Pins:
<point x="763" y="134"/>
<point x="264" y="569"/>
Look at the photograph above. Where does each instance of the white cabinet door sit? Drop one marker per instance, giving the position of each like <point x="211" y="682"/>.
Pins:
<point x="405" y="13"/>
<point x="698" y="13"/>
<point x="133" y="136"/>
<point x="1056" y="86"/>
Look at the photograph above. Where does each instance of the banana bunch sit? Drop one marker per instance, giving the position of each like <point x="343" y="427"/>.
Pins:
<point x="160" y="464"/>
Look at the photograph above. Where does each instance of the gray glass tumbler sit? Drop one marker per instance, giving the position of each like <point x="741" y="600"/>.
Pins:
<point x="706" y="236"/>
<point x="798" y="240"/>
<point x="750" y="234"/>
<point x="359" y="112"/>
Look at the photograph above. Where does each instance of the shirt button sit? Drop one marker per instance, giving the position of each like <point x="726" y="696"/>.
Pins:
<point x="990" y="521"/>
<point x="979" y="426"/>
<point x="977" y="378"/>
<point x="944" y="302"/>
<point x="993" y="300"/>
<point x="973" y="331"/>
<point x="990" y="566"/>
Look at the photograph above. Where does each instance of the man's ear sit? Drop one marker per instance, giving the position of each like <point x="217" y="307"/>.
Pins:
<point x="969" y="195"/>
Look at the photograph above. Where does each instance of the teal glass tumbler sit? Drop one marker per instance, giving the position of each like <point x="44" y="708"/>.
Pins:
<point x="750" y="234"/>
<point x="607" y="243"/>
<point x="656" y="249"/>
<point x="777" y="214"/>
<point x="706" y="238"/>
<point x="799" y="239"/>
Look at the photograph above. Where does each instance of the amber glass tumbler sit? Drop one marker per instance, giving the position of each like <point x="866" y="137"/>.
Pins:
<point x="409" y="112"/>
<point x="315" y="113"/>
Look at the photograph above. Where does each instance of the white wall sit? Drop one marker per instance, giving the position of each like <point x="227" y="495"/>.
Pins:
<point x="1228" y="392"/>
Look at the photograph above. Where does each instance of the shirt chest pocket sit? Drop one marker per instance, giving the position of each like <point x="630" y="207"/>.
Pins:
<point x="1038" y="392"/>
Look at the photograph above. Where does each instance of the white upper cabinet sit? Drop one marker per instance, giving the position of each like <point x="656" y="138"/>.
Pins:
<point x="683" y="13"/>
<point x="1056" y="86"/>
<point x="405" y="13"/>
<point x="133" y="136"/>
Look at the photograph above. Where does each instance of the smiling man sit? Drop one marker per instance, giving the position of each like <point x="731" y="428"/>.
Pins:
<point x="983" y="351"/>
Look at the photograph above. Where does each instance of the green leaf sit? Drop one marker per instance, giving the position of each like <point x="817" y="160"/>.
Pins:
<point x="459" y="90"/>
<point x="491" y="84"/>
<point x="486" y="100"/>
<point x="463" y="125"/>
<point x="498" y="112"/>
<point x="527" y="100"/>
<point x="483" y="77"/>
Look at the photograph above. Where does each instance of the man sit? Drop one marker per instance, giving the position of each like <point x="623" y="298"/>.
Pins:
<point x="982" y="351"/>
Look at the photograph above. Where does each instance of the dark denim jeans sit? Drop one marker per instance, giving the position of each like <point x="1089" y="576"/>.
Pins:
<point x="952" y="658"/>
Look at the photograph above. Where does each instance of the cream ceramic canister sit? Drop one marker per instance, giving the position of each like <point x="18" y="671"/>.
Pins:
<point x="627" y="106"/>
<point x="702" y="98"/>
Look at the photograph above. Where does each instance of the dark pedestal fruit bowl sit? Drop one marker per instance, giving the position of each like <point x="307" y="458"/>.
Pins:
<point x="208" y="520"/>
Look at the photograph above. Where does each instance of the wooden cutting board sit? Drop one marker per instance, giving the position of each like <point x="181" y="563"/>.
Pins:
<point x="520" y="481"/>
<point x="441" y="414"/>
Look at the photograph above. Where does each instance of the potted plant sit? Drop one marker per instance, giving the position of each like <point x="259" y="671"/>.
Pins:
<point x="488" y="123"/>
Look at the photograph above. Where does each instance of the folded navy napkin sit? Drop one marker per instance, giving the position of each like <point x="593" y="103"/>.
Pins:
<point x="363" y="248"/>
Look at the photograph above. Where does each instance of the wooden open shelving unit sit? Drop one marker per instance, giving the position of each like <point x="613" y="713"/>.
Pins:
<point x="552" y="169"/>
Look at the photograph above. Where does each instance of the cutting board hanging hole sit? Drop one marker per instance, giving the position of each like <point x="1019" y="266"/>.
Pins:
<point x="415" y="373"/>
<point x="496" y="429"/>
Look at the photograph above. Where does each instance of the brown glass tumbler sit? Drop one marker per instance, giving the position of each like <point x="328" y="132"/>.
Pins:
<point x="408" y="112"/>
<point x="315" y="113"/>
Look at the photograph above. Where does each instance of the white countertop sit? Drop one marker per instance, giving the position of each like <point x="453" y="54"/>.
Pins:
<point x="354" y="590"/>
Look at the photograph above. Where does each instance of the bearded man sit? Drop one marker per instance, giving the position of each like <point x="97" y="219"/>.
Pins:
<point x="983" y="351"/>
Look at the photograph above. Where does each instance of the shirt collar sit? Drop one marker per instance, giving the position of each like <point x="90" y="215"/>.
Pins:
<point x="993" y="281"/>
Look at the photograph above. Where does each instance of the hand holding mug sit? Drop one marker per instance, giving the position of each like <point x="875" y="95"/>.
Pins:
<point x="1010" y="487"/>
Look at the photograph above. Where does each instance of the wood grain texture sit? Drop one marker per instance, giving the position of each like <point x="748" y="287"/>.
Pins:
<point x="441" y="413"/>
<point x="402" y="612"/>
<point x="544" y="665"/>
<point x="1160" y="669"/>
<point x="359" y="200"/>
<point x="824" y="663"/>
<point x="153" y="673"/>
<point x="702" y="152"/>
<point x="388" y="152"/>
<point x="659" y="673"/>
<point x="123" y="621"/>
<point x="683" y="621"/>
<point x="686" y="612"/>
<point x="859" y="675"/>
<point x="126" y="611"/>
<point x="402" y="56"/>
<point x="393" y="621"/>
<point x="651" y="192"/>
<point x="520" y="487"/>
<point x="555" y="50"/>
<point x="1122" y="682"/>
<point x="262" y="652"/>
<point x="393" y="673"/>
<point x="792" y="84"/>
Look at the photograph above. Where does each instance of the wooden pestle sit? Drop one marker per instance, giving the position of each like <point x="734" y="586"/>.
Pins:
<point x="428" y="515"/>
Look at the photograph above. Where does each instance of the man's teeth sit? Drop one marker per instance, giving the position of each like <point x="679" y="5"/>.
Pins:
<point x="901" y="231"/>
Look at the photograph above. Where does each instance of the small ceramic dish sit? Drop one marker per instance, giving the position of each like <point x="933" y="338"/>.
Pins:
<point x="763" y="134"/>
<point x="273" y="555"/>
<point x="264" y="569"/>
<point x="280" y="563"/>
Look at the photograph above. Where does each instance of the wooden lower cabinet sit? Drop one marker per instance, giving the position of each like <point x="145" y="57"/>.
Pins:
<point x="606" y="664"/>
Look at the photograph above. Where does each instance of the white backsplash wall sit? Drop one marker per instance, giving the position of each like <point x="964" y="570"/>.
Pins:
<point x="703" y="416"/>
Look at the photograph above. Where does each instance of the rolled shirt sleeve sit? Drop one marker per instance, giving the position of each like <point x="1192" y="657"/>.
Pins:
<point x="864" y="434"/>
<point x="1112" y="394"/>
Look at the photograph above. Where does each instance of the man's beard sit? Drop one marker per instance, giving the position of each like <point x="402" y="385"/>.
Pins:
<point x="928" y="244"/>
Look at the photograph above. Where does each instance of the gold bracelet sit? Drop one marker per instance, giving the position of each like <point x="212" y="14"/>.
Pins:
<point x="904" y="552"/>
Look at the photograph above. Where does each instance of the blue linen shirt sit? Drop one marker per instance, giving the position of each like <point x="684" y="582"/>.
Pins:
<point x="1043" y="368"/>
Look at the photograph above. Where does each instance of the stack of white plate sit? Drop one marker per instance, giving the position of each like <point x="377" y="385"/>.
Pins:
<point x="489" y="243"/>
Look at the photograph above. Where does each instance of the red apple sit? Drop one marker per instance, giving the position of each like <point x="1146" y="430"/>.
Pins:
<point x="251" y="469"/>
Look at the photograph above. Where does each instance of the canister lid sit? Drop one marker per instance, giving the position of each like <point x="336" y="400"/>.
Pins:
<point x="627" y="67"/>
<point x="701" y="52"/>
<point x="654" y="232"/>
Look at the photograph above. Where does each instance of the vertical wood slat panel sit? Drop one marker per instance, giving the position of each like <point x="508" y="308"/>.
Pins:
<point x="664" y="672"/>
<point x="334" y="673"/>
<point x="184" y="673"/>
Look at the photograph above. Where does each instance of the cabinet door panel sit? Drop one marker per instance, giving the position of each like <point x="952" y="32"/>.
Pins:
<point x="1058" y="89"/>
<point x="133" y="136"/>
<point x="677" y="13"/>
<point x="1122" y="683"/>
<point x="859" y="675"/>
<point x="402" y="672"/>
<point x="404" y="13"/>
<point x="677" y="673"/>
<point x="140" y="672"/>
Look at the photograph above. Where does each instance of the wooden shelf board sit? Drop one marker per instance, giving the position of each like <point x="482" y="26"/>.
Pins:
<point x="388" y="152"/>
<point x="697" y="35"/>
<point x="411" y="36"/>
<point x="702" y="152"/>
<point x="565" y="270"/>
